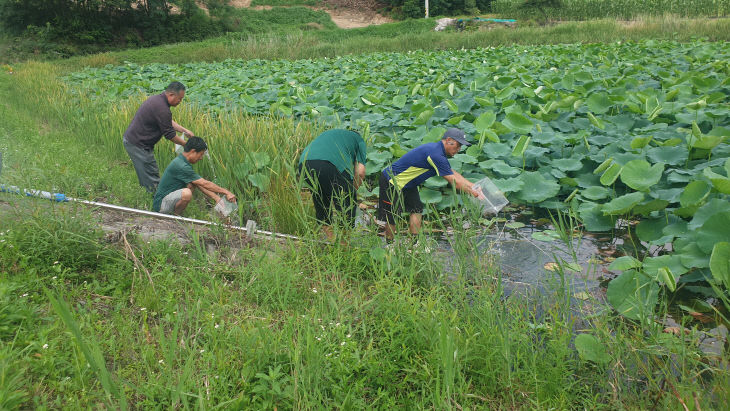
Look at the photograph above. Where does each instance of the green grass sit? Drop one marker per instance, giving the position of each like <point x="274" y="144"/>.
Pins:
<point x="620" y="9"/>
<point x="286" y="325"/>
<point x="289" y="326"/>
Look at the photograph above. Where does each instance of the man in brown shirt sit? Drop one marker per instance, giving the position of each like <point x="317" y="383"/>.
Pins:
<point x="152" y="121"/>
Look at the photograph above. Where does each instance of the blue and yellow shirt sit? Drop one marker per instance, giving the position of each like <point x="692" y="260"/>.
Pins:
<point x="418" y="165"/>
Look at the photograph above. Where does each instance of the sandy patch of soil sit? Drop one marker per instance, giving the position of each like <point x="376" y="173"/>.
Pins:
<point x="346" y="14"/>
<point x="352" y="18"/>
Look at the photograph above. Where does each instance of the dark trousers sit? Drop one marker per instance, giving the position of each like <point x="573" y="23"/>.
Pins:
<point x="145" y="165"/>
<point x="331" y="189"/>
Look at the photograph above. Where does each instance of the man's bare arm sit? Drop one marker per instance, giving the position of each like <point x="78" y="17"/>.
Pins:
<point x="462" y="184"/>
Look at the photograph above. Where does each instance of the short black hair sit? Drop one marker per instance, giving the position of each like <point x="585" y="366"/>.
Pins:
<point x="175" y="87"/>
<point x="195" y="143"/>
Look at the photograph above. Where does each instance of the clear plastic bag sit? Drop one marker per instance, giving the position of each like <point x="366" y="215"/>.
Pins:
<point x="224" y="208"/>
<point x="491" y="199"/>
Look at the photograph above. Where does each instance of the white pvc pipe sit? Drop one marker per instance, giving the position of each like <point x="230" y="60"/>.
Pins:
<point x="57" y="197"/>
<point x="183" y="219"/>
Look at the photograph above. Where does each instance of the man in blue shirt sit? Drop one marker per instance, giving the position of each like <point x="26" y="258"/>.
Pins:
<point x="179" y="180"/>
<point x="399" y="182"/>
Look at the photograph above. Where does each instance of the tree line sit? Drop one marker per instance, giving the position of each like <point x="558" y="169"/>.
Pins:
<point x="126" y="22"/>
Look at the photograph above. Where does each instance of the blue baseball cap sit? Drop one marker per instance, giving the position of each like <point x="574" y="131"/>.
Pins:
<point x="457" y="135"/>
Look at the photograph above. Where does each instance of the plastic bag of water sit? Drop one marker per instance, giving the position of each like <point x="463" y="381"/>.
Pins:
<point x="491" y="199"/>
<point x="225" y="208"/>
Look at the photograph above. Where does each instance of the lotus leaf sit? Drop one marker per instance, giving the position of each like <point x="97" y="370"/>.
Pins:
<point x="380" y="157"/>
<point x="640" y="175"/>
<point x="641" y="141"/>
<point x="546" y="236"/>
<point x="668" y="155"/>
<point x="690" y="254"/>
<point x="603" y="166"/>
<point x="500" y="167"/>
<point x="509" y="185"/>
<point x="465" y="158"/>
<point x="622" y="205"/>
<point x="598" y="103"/>
<point x="719" y="182"/>
<point x="449" y="199"/>
<point x="697" y="275"/>
<point x="611" y="174"/>
<point x="670" y="195"/>
<point x="429" y="196"/>
<point x="624" y="263"/>
<point x="675" y="228"/>
<point x="714" y="230"/>
<point x="484" y="121"/>
<point x="650" y="206"/>
<point x="633" y="294"/>
<point x="518" y="123"/>
<point x="521" y="146"/>
<point x="591" y="214"/>
<point x="590" y="349"/>
<point x="260" y="181"/>
<point x="567" y="164"/>
<point x="694" y="193"/>
<point x="496" y="150"/>
<point x="720" y="263"/>
<point x="399" y="101"/>
<point x="651" y="265"/>
<point x="712" y="207"/>
<point x="650" y="231"/>
<point x="536" y="187"/>
<point x="260" y="159"/>
<point x="595" y="193"/>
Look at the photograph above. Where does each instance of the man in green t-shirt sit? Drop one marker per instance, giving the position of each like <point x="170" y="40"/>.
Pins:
<point x="334" y="166"/>
<point x="179" y="179"/>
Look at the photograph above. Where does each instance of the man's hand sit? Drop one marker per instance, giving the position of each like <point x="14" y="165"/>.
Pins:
<point x="478" y="193"/>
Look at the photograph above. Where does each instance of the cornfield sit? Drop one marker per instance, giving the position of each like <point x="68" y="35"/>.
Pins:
<point x="621" y="9"/>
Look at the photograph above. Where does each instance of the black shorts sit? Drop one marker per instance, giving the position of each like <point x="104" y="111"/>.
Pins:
<point x="393" y="201"/>
<point x="330" y="189"/>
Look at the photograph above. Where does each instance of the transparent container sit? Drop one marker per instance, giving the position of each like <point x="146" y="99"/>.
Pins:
<point x="224" y="208"/>
<point x="491" y="199"/>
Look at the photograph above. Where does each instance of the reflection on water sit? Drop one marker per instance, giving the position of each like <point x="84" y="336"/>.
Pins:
<point x="526" y="262"/>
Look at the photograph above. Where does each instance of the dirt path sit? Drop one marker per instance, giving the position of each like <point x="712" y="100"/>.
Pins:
<point x="345" y="14"/>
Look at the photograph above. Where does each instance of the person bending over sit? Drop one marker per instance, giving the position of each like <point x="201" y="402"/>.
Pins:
<point x="399" y="182"/>
<point x="151" y="122"/>
<point x="333" y="166"/>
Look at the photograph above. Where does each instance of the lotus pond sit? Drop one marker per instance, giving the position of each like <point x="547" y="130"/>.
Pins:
<point x="621" y="136"/>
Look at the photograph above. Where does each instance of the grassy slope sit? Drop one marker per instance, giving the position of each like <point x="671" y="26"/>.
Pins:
<point x="262" y="330"/>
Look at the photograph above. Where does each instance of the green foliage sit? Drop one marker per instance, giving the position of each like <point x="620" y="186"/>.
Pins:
<point x="622" y="9"/>
<point x="55" y="242"/>
<point x="107" y="22"/>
